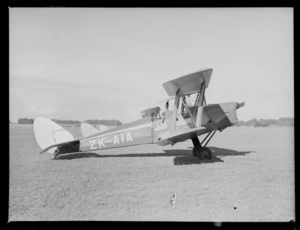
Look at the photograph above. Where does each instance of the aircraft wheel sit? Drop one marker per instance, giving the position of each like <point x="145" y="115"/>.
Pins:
<point x="196" y="152"/>
<point x="56" y="153"/>
<point x="205" y="154"/>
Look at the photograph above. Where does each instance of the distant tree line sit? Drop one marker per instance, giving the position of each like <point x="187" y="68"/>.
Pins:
<point x="66" y="122"/>
<point x="254" y="122"/>
<point x="285" y="121"/>
<point x="76" y="122"/>
<point x="104" y="122"/>
<point x="25" y="121"/>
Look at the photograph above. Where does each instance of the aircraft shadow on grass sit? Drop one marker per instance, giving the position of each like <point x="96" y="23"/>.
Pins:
<point x="181" y="156"/>
<point x="217" y="154"/>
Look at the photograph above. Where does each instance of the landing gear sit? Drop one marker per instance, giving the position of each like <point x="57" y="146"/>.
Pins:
<point x="196" y="152"/>
<point x="70" y="147"/>
<point x="197" y="147"/>
<point x="205" y="153"/>
<point x="56" y="153"/>
<point x="202" y="152"/>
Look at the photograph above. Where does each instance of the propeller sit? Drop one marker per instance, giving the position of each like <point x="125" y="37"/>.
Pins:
<point x="239" y="105"/>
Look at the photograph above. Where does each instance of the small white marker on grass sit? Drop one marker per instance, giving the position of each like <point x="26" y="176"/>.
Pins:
<point x="173" y="199"/>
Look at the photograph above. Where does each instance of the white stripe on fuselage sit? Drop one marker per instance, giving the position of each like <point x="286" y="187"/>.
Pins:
<point x="119" y="131"/>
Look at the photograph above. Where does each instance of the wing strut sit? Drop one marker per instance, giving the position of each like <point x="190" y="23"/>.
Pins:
<point x="213" y="133"/>
<point x="201" y="95"/>
<point x="174" y="113"/>
<point x="189" y="111"/>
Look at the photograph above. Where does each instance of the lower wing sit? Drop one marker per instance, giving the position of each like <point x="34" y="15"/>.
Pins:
<point x="179" y="137"/>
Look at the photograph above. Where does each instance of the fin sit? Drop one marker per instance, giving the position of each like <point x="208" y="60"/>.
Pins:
<point x="87" y="129"/>
<point x="48" y="133"/>
<point x="103" y="128"/>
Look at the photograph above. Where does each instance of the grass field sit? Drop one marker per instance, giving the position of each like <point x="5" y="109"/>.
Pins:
<point x="250" y="178"/>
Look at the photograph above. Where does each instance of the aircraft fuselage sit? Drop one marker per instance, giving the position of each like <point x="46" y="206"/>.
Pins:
<point x="147" y="131"/>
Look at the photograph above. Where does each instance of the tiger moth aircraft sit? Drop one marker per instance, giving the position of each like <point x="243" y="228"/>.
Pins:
<point x="189" y="117"/>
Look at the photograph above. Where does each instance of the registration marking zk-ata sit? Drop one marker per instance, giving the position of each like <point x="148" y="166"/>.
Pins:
<point x="117" y="139"/>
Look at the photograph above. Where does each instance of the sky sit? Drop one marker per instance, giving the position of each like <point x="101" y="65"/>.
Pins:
<point x="110" y="63"/>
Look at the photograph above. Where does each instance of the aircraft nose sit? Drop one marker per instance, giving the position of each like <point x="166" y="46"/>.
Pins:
<point x="239" y="105"/>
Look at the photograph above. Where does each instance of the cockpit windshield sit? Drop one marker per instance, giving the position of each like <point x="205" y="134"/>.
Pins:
<point x="189" y="105"/>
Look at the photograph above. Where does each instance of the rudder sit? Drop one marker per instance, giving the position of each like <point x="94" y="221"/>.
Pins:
<point x="48" y="133"/>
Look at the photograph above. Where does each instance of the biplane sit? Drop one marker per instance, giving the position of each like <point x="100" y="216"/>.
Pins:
<point x="185" y="115"/>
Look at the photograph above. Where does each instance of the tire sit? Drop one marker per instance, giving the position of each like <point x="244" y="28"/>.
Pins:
<point x="205" y="154"/>
<point x="196" y="152"/>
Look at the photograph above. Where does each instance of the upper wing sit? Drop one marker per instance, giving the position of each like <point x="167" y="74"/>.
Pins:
<point x="179" y="137"/>
<point x="189" y="83"/>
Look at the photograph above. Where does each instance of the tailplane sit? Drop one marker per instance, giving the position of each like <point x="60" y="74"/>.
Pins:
<point x="48" y="133"/>
<point x="88" y="130"/>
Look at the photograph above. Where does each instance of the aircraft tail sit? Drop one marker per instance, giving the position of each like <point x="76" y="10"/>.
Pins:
<point x="47" y="133"/>
<point x="103" y="128"/>
<point x="88" y="130"/>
